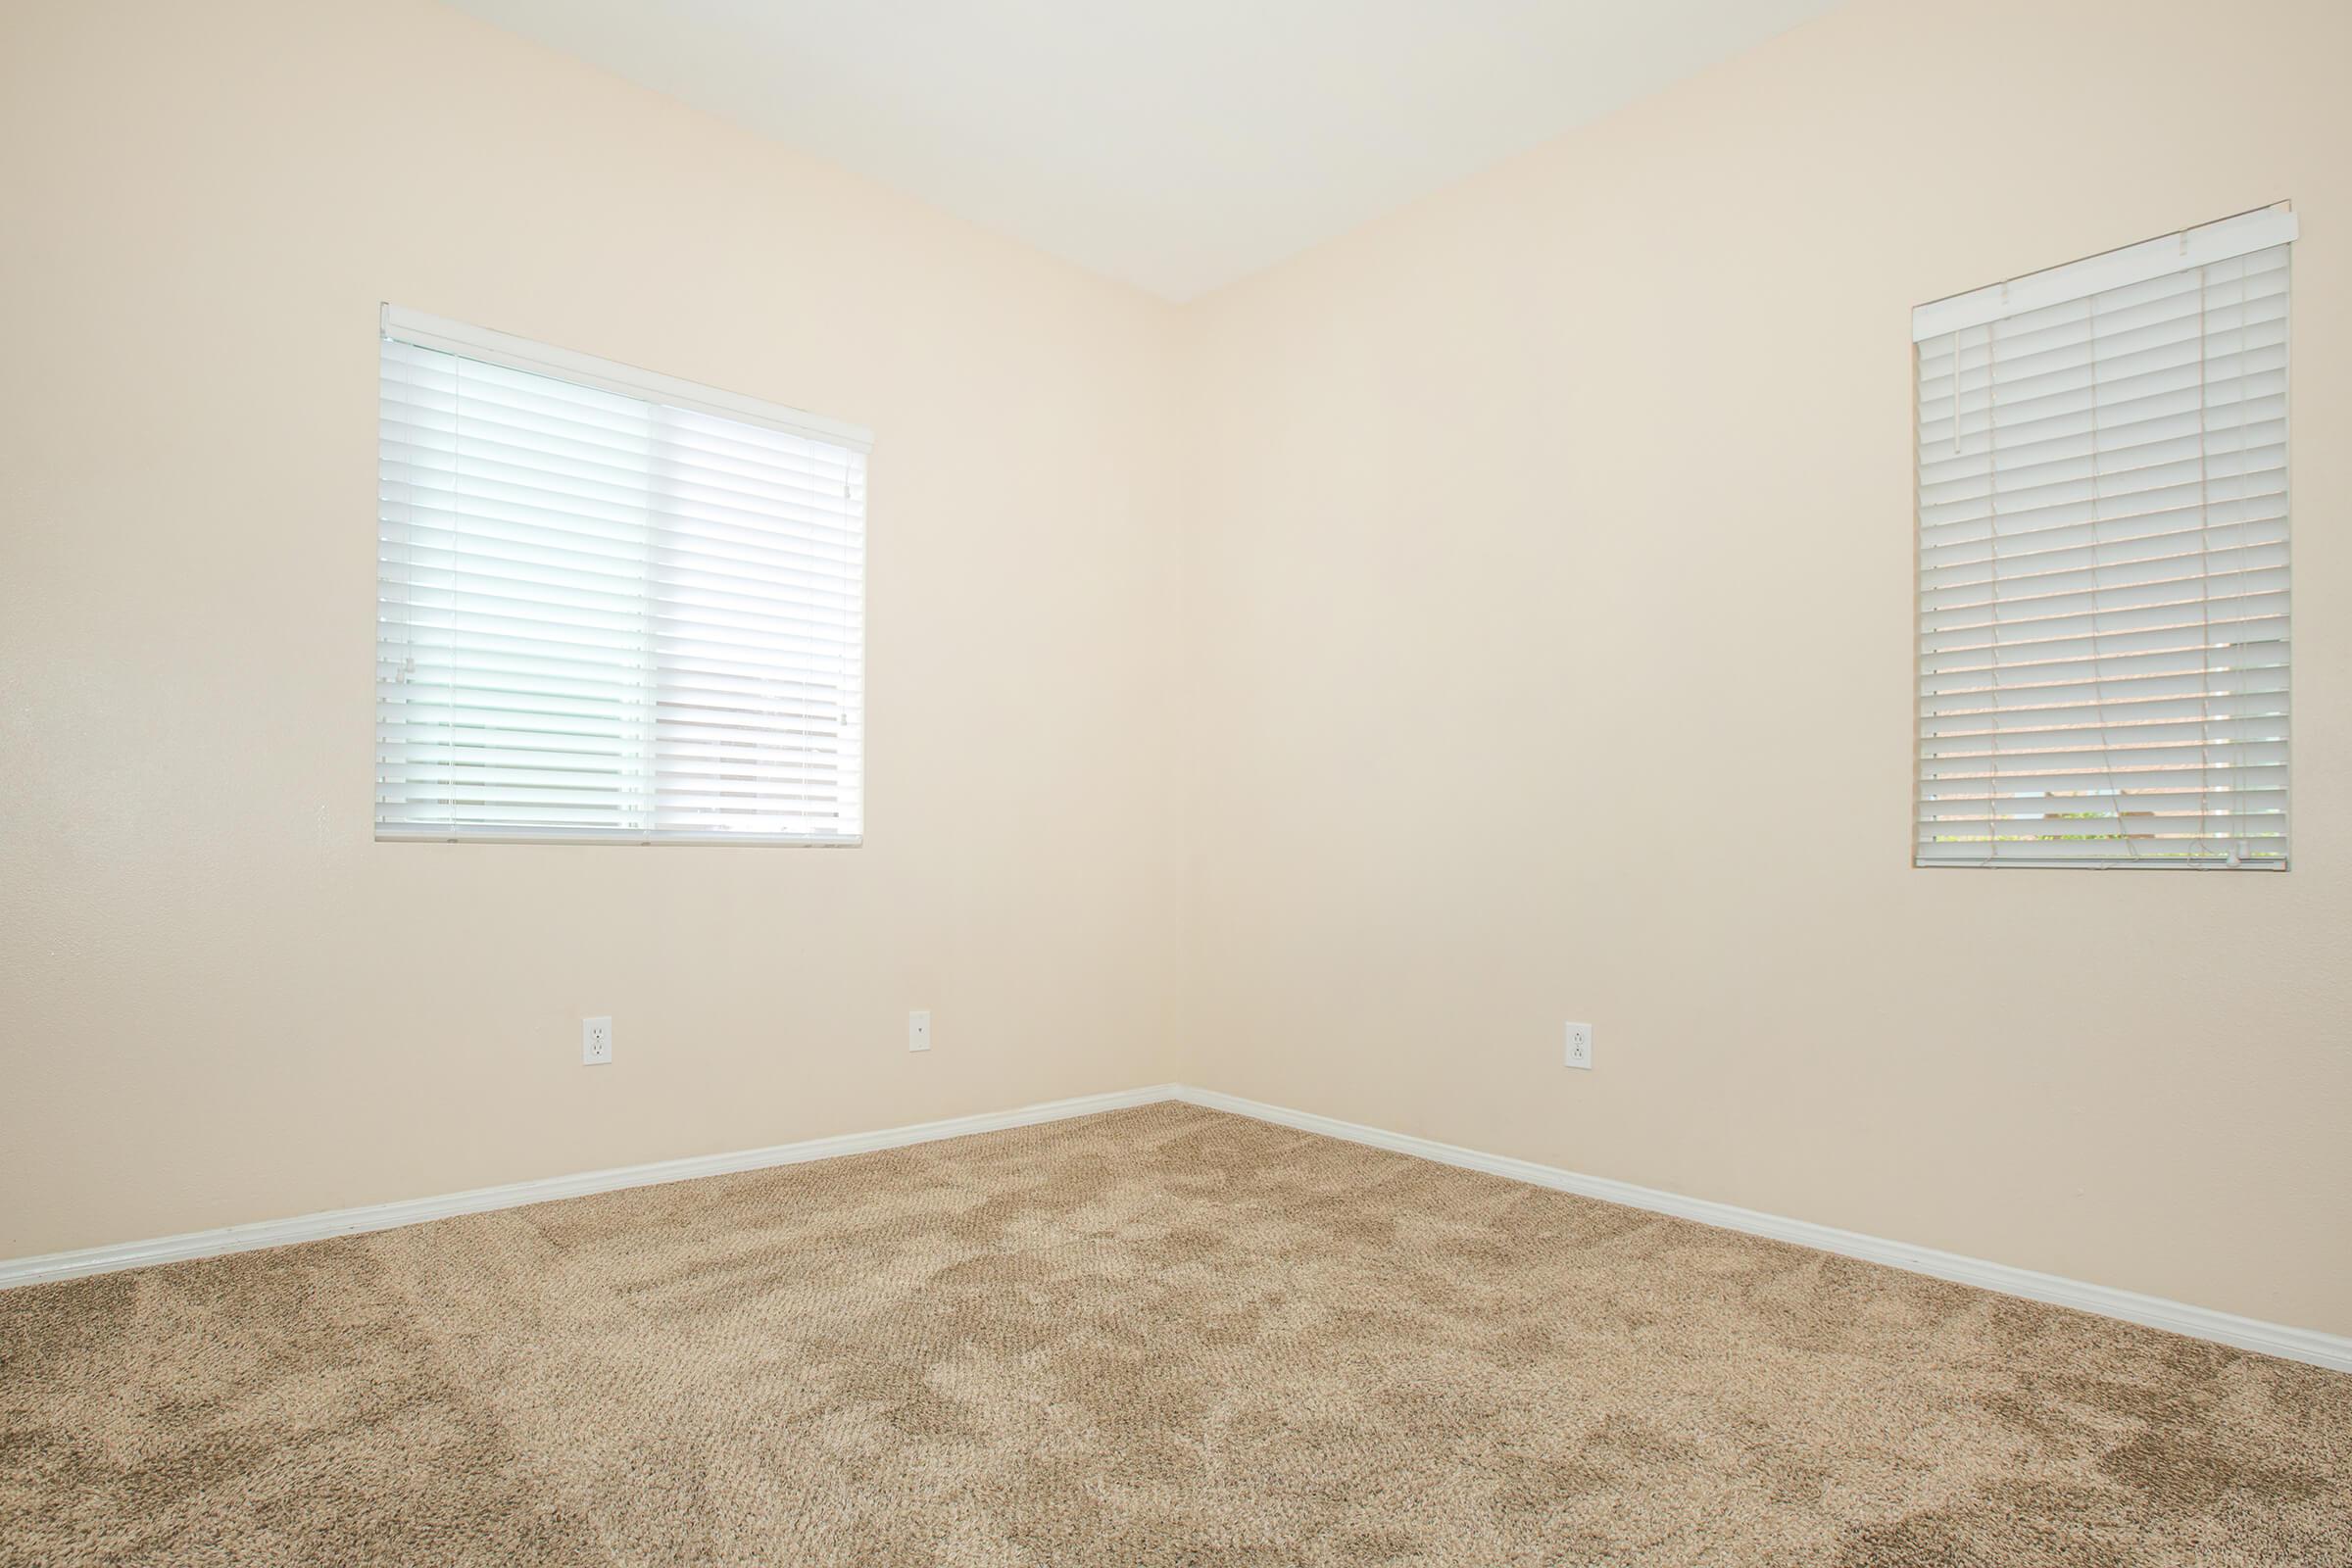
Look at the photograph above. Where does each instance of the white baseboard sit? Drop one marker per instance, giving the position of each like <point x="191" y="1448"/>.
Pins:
<point x="482" y="1200"/>
<point x="2178" y="1318"/>
<point x="2329" y="1351"/>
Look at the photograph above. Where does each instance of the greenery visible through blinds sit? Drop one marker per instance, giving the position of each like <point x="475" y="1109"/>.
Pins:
<point x="605" y="613"/>
<point x="2103" y="627"/>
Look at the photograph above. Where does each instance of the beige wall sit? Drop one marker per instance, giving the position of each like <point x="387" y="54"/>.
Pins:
<point x="1533" y="569"/>
<point x="220" y="999"/>
<point x="1550" y="587"/>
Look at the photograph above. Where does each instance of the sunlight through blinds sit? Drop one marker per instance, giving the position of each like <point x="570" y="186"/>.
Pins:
<point x="611" y="606"/>
<point x="2102" y="508"/>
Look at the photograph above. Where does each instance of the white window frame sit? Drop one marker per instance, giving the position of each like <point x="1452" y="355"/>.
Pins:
<point x="2245" y="235"/>
<point x="505" y="349"/>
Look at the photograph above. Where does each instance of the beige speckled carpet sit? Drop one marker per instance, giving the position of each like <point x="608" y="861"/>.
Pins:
<point x="1156" y="1336"/>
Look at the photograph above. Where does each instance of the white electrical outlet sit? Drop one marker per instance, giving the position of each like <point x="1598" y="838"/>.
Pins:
<point x="919" y="1030"/>
<point x="1580" y="1044"/>
<point x="596" y="1042"/>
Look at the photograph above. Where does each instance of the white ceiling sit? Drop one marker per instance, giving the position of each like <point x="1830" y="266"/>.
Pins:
<point x="1178" y="144"/>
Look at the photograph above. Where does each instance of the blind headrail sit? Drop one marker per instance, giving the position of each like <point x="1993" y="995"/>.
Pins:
<point x="2218" y="241"/>
<point x="538" y="358"/>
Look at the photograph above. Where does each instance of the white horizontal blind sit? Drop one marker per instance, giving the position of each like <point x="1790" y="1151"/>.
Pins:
<point x="607" y="614"/>
<point x="2103" y="626"/>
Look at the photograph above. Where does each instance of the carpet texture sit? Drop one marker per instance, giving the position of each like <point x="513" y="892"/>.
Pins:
<point x="1163" y="1335"/>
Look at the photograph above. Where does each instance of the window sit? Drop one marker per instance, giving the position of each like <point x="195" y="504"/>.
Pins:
<point x="609" y="605"/>
<point x="2103" y="559"/>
